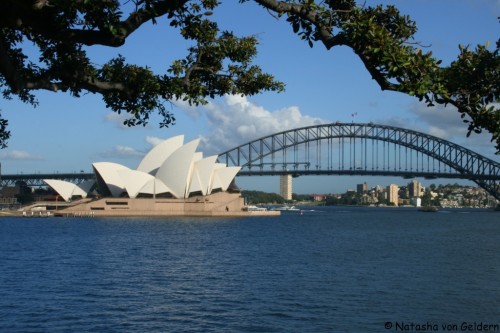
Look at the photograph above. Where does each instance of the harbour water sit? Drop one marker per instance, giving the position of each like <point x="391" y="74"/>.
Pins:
<point x="333" y="269"/>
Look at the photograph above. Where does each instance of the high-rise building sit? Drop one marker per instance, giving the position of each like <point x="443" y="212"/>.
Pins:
<point x="286" y="187"/>
<point x="392" y="194"/>
<point x="415" y="189"/>
<point x="362" y="188"/>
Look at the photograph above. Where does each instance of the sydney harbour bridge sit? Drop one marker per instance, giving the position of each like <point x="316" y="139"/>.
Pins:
<point x="343" y="149"/>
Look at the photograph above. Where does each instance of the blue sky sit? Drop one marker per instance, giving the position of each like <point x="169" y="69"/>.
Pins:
<point x="65" y="134"/>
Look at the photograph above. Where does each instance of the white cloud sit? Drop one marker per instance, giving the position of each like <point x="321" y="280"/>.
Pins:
<point x="122" y="152"/>
<point x="439" y="121"/>
<point x="191" y="110"/>
<point x="237" y="121"/>
<point x="116" y="119"/>
<point x="128" y="151"/>
<point x="153" y="140"/>
<point x="19" y="155"/>
<point x="445" y="123"/>
<point x="439" y="132"/>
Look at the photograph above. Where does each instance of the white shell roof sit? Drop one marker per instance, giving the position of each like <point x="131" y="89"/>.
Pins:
<point x="215" y="181"/>
<point x="154" y="186"/>
<point x="170" y="167"/>
<point x="134" y="180"/>
<point x="67" y="190"/>
<point x="156" y="156"/>
<point x="64" y="189"/>
<point x="176" y="169"/>
<point x="226" y="176"/>
<point x="202" y="175"/>
<point x="109" y="173"/>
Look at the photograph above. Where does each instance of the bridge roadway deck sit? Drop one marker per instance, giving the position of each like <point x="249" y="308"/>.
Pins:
<point x="403" y="174"/>
<point x="37" y="179"/>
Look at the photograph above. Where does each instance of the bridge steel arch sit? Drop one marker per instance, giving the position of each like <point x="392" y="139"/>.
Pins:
<point x="362" y="149"/>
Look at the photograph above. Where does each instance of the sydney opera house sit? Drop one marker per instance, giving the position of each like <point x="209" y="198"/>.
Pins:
<point x="172" y="179"/>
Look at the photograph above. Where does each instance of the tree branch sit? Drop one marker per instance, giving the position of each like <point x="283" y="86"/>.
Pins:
<point x="88" y="83"/>
<point x="36" y="19"/>
<point x="7" y="68"/>
<point x="326" y="36"/>
<point x="376" y="74"/>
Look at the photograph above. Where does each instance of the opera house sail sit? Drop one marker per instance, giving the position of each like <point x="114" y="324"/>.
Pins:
<point x="179" y="179"/>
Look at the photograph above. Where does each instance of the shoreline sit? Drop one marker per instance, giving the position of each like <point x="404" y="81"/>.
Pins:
<point x="220" y="204"/>
<point x="62" y="213"/>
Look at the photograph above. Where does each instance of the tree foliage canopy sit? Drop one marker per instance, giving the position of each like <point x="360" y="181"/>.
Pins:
<point x="61" y="31"/>
<point x="383" y="39"/>
<point x="218" y="62"/>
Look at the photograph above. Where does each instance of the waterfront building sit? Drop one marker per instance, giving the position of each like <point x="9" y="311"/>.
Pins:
<point x="9" y="194"/>
<point x="382" y="195"/>
<point x="286" y="186"/>
<point x="170" y="170"/>
<point x="172" y="179"/>
<point x="404" y="192"/>
<point x="416" y="201"/>
<point x="362" y="188"/>
<point x="368" y="199"/>
<point x="318" y="197"/>
<point x="416" y="190"/>
<point x="392" y="194"/>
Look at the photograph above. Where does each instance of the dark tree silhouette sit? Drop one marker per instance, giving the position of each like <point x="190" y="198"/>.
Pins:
<point x="218" y="62"/>
<point x="383" y="40"/>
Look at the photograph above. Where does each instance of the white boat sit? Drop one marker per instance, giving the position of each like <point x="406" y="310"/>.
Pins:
<point x="254" y="209"/>
<point x="286" y="208"/>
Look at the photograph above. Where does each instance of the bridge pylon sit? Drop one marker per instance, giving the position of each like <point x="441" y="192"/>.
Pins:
<point x="286" y="186"/>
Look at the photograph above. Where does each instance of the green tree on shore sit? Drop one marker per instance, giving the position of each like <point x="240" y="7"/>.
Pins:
<point x="427" y="198"/>
<point x="259" y="197"/>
